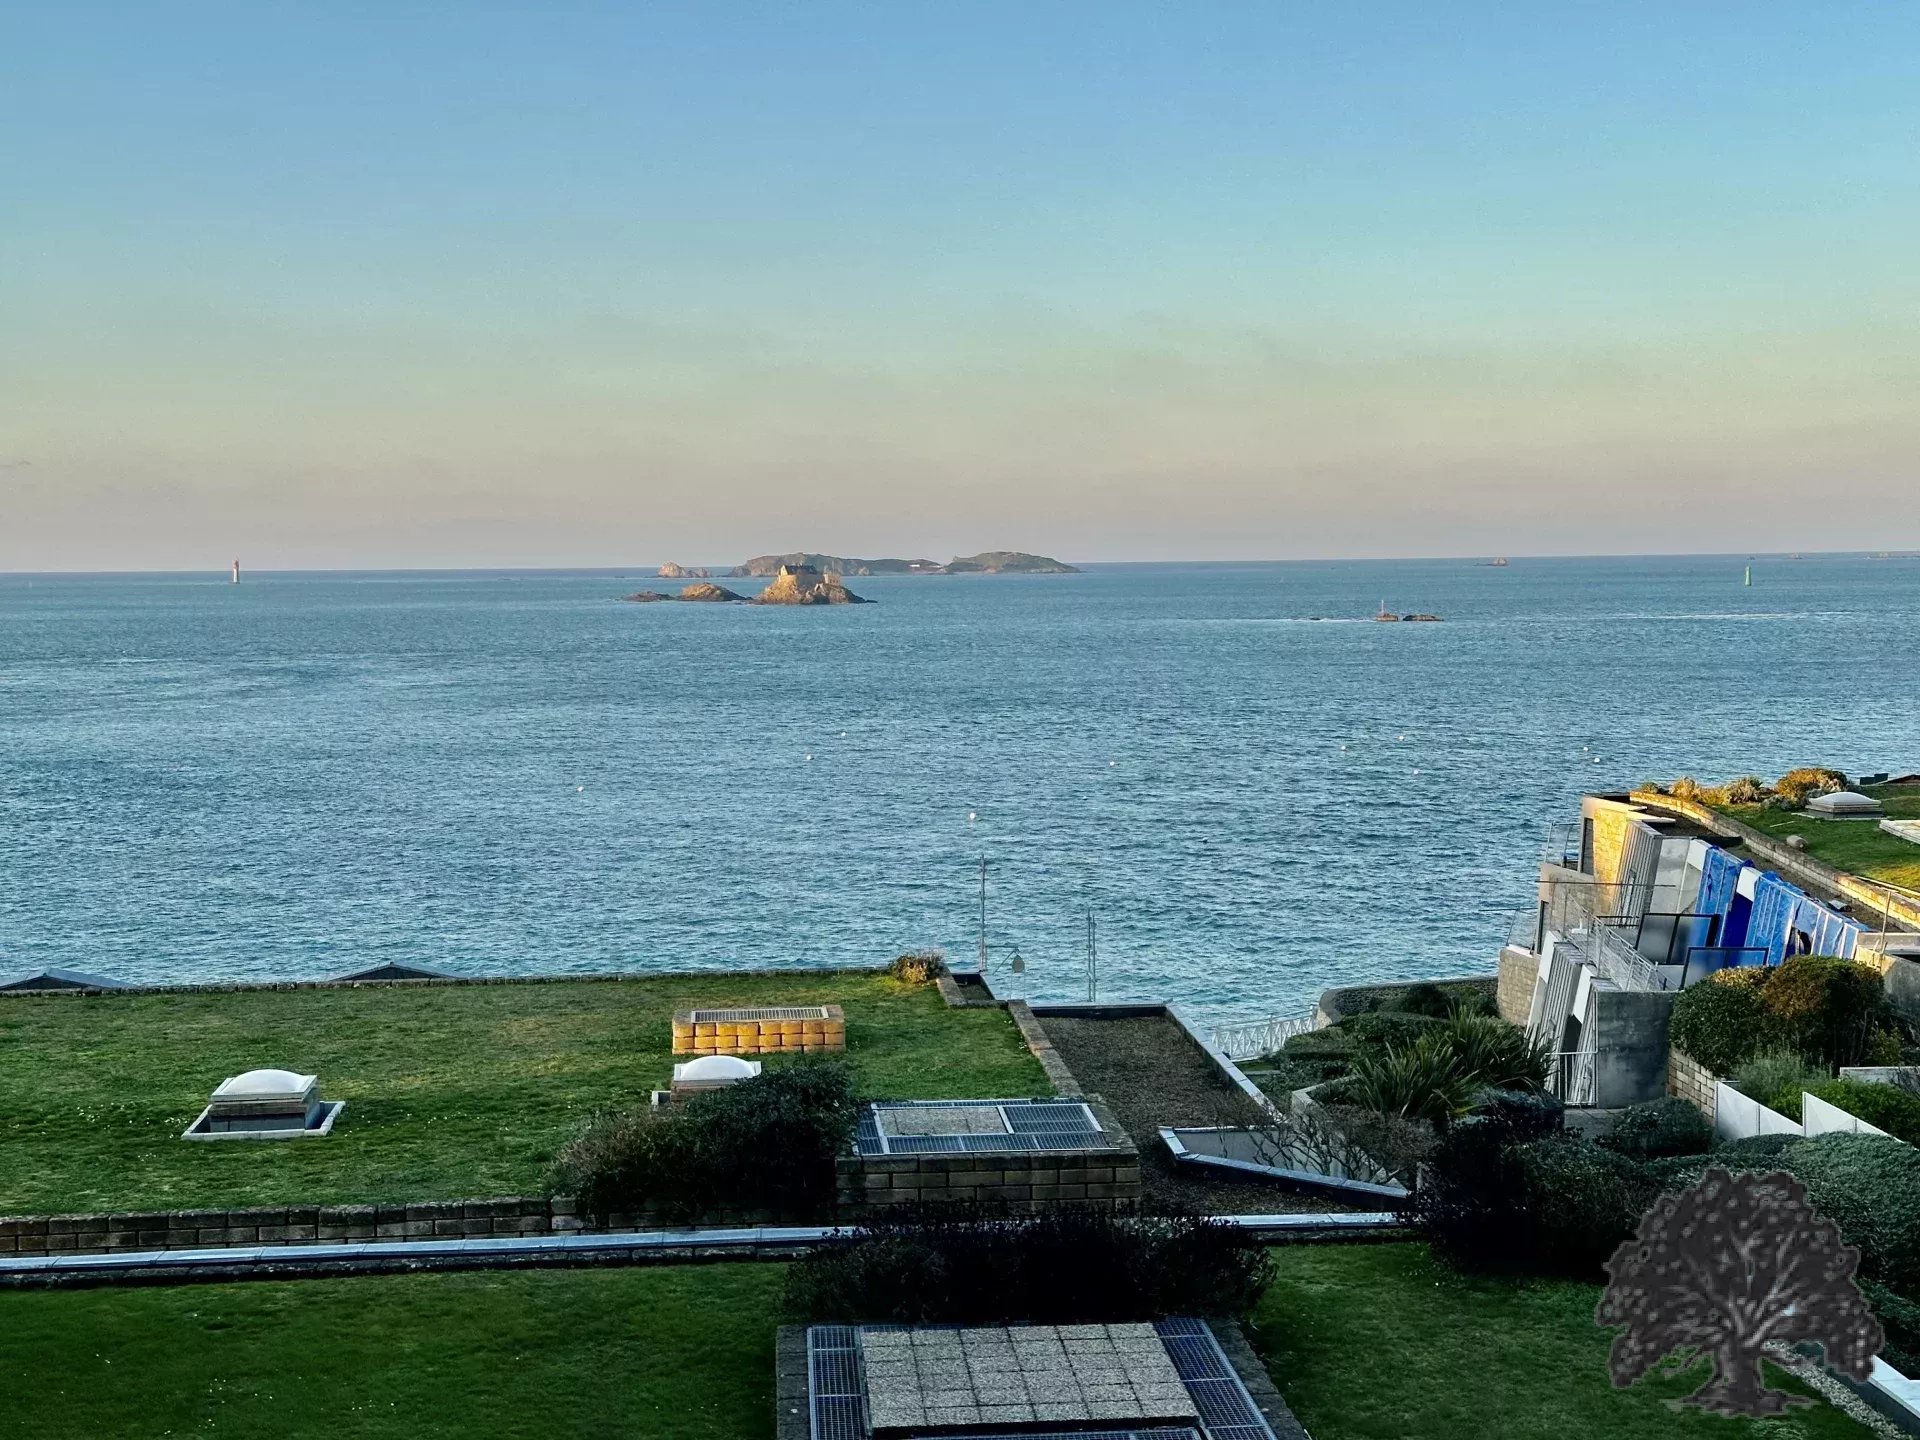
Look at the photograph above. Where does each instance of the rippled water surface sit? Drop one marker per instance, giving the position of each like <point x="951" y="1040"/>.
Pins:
<point x="511" y="773"/>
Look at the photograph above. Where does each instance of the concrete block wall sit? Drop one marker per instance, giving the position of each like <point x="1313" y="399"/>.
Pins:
<point x="103" y="1233"/>
<point x="1692" y="1082"/>
<point x="1107" y="1178"/>
<point x="1519" y="972"/>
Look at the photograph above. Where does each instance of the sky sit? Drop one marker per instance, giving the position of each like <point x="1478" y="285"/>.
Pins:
<point x="578" y="284"/>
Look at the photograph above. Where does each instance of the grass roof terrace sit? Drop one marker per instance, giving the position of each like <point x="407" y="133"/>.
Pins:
<point x="452" y="1091"/>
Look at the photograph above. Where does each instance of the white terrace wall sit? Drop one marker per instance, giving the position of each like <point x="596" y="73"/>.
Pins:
<point x="1736" y="1117"/>
<point x="1818" y="1117"/>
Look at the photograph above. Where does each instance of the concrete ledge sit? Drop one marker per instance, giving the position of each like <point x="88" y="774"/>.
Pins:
<point x="767" y="1242"/>
<point x="1058" y="1075"/>
<point x="246" y="987"/>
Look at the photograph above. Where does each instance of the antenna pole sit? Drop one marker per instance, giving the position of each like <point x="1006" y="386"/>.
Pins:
<point x="983" y="914"/>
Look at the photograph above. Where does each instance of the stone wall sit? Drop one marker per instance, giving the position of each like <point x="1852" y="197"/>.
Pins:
<point x="96" y="1234"/>
<point x="1108" y="1179"/>
<point x="1519" y="972"/>
<point x="1691" y="1081"/>
<point x="1106" y="1176"/>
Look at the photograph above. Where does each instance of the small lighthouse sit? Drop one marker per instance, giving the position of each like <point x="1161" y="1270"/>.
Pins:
<point x="236" y="572"/>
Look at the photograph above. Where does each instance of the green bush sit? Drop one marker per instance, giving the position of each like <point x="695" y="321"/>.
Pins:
<point x="1071" y="1265"/>
<point x="1553" y="1206"/>
<point x="1776" y="1079"/>
<point x="1826" y="1008"/>
<point x="1720" y="1021"/>
<point x="765" y="1145"/>
<point x="1889" y="1107"/>
<point x="1489" y="1051"/>
<point x="1426" y="998"/>
<point x="1524" y="1114"/>
<point x="918" y="967"/>
<point x="1421" y="1081"/>
<point x="1747" y="790"/>
<point x="1901" y="1316"/>
<point x="1387" y="1029"/>
<point x="1659" y="1130"/>
<point x="1796" y="787"/>
<point x="1870" y="1187"/>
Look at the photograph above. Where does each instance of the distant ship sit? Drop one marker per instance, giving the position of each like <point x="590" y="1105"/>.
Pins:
<point x="236" y="572"/>
<point x="1499" y="564"/>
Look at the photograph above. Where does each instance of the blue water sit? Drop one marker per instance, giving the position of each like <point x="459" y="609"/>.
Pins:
<point x="512" y="773"/>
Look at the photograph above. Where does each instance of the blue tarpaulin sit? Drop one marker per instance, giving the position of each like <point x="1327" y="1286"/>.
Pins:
<point x="1779" y="909"/>
<point x="1719" y="879"/>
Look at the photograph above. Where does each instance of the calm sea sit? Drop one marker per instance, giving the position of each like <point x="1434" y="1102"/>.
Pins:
<point x="505" y="773"/>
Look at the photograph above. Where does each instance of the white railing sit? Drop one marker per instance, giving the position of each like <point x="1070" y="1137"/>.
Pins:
<point x="1619" y="962"/>
<point x="1261" y="1037"/>
<point x="1571" y="1080"/>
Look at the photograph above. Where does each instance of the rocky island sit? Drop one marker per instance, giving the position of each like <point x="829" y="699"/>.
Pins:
<point x="709" y="593"/>
<point x="804" y="585"/>
<point x="671" y="571"/>
<point x="988" y="562"/>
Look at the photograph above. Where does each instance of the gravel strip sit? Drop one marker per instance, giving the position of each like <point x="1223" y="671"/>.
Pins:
<point x="1150" y="1074"/>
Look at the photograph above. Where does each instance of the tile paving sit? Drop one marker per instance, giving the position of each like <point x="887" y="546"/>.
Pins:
<point x="1075" y="1374"/>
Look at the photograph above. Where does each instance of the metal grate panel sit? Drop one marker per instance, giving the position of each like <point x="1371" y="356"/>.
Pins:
<point x="837" y="1404"/>
<point x="1226" y="1410"/>
<point x="777" y="1012"/>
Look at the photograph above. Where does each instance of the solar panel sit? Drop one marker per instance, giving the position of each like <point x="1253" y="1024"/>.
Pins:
<point x="1030" y="1125"/>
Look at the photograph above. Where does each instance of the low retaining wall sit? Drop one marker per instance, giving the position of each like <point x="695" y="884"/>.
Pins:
<point x="239" y="987"/>
<point x="98" y="1234"/>
<point x="1692" y="1082"/>
<point x="1106" y="1176"/>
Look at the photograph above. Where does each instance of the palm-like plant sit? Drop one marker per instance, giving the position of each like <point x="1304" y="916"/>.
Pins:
<point x="1489" y="1051"/>
<point x="1421" y="1081"/>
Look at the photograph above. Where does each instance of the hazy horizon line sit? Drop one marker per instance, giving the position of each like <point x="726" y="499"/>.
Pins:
<point x="1482" y="558"/>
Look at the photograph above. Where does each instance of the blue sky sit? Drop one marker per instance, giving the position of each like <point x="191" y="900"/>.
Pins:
<point x="576" y="284"/>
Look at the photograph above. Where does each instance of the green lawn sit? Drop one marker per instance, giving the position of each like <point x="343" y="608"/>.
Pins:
<point x="1367" y="1342"/>
<point x="1381" y="1342"/>
<point x="679" y="1353"/>
<point x="1859" y="847"/>
<point x="452" y="1091"/>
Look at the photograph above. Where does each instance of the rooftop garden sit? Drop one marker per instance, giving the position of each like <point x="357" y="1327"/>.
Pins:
<point x="1367" y="1342"/>
<point x="452" y="1091"/>
<point x="1378" y="1342"/>
<point x="1857" y="846"/>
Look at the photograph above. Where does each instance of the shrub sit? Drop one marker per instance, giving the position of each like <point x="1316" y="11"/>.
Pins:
<point x="1664" y="1128"/>
<point x="1523" y="1114"/>
<point x="1421" y="1081"/>
<point x="970" y="1266"/>
<point x="1426" y="998"/>
<point x="1826" y="1008"/>
<point x="1796" y="787"/>
<point x="1719" y="1022"/>
<point x="1776" y="1079"/>
<point x="1901" y="1316"/>
<point x="1747" y="790"/>
<point x="1491" y="1052"/>
<point x="1387" y="1029"/>
<point x="763" y="1145"/>
<point x="1581" y="1202"/>
<point x="1553" y="1206"/>
<point x="918" y="967"/>
<point x="1870" y="1187"/>
<point x="1889" y="1107"/>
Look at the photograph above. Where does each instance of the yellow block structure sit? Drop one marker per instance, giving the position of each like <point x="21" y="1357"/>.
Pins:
<point x="769" y="1030"/>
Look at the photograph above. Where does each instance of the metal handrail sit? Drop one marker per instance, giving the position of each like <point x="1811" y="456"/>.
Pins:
<point x="1255" y="1038"/>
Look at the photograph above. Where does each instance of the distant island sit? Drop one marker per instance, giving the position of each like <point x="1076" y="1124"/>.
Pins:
<point x="671" y="571"/>
<point x="989" y="562"/>
<point x="712" y="594"/>
<point x="793" y="585"/>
